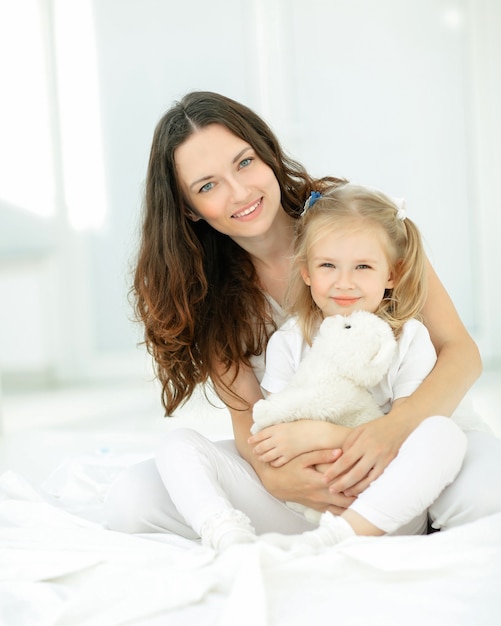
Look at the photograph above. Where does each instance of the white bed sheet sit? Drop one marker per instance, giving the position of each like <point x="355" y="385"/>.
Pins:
<point x="60" y="567"/>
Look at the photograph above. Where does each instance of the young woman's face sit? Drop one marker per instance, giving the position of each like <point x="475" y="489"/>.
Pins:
<point x="226" y="184"/>
<point x="348" y="271"/>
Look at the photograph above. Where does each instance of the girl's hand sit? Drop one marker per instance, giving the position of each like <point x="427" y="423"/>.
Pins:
<point x="281" y="443"/>
<point x="367" y="451"/>
<point x="299" y="481"/>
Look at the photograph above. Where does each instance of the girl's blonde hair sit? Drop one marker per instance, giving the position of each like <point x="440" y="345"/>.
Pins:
<point x="350" y="205"/>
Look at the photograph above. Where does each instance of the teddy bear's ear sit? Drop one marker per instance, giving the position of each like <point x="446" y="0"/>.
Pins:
<point x="382" y="360"/>
<point x="374" y="371"/>
<point x="384" y="344"/>
<point x="332" y="321"/>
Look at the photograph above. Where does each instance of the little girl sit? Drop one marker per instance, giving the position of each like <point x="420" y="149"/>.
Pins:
<point x="355" y="251"/>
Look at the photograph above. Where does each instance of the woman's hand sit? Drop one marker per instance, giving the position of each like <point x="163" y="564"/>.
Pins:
<point x="367" y="451"/>
<point x="281" y="443"/>
<point x="300" y="481"/>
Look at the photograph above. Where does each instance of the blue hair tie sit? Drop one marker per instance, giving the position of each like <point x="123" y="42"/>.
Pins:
<point x="314" y="196"/>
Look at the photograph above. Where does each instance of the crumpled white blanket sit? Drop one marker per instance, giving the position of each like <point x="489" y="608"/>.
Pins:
<point x="60" y="569"/>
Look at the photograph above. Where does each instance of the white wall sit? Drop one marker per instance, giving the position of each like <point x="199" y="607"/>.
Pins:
<point x="402" y="94"/>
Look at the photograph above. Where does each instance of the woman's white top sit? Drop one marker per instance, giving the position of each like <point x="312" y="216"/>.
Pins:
<point x="279" y="317"/>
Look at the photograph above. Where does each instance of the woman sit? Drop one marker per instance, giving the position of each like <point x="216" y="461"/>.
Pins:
<point x="221" y="200"/>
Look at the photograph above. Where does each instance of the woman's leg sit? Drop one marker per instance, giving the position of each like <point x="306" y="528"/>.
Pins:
<point x="476" y="491"/>
<point x="139" y="501"/>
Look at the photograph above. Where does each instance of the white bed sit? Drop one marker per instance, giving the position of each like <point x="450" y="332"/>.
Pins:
<point x="60" y="567"/>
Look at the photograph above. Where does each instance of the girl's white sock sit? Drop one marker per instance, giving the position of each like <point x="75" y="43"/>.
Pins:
<point x="332" y="530"/>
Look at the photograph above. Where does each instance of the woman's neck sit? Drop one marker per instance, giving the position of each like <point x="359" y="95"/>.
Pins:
<point x="271" y="256"/>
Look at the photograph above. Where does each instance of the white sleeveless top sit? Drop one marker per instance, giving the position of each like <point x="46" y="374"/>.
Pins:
<point x="279" y="317"/>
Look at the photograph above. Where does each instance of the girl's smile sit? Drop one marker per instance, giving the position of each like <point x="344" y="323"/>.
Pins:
<point x="345" y="301"/>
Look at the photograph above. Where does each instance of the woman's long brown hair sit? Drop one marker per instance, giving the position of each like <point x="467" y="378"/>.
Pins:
<point x="195" y="290"/>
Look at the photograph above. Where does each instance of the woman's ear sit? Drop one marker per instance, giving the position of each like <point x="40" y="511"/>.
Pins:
<point x="191" y="214"/>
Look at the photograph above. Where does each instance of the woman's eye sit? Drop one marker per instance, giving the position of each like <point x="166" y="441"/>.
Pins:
<point x="327" y="265"/>
<point x="245" y="162"/>
<point x="363" y="266"/>
<point x="206" y="187"/>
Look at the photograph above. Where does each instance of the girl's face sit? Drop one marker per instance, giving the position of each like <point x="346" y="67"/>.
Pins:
<point x="347" y="270"/>
<point x="226" y="184"/>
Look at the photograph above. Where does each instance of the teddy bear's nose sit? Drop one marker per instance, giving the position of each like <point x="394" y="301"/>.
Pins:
<point x="347" y="325"/>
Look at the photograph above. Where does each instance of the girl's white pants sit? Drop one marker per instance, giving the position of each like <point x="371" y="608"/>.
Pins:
<point x="452" y="476"/>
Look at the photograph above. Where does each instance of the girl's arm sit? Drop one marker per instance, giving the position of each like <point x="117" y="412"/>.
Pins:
<point x="298" y="480"/>
<point x="368" y="449"/>
<point x="281" y="443"/>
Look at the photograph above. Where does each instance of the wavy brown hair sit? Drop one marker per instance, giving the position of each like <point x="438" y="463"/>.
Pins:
<point x="356" y="206"/>
<point x="195" y="290"/>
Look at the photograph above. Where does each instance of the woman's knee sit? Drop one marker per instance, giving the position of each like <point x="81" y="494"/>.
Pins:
<point x="133" y="494"/>
<point x="178" y="440"/>
<point x="475" y="492"/>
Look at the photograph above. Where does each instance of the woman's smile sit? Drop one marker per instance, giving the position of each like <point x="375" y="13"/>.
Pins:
<point x="249" y="210"/>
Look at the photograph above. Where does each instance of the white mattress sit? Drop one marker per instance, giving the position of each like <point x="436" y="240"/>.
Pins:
<point x="60" y="567"/>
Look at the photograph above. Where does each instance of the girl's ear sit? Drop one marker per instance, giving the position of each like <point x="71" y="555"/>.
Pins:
<point x="392" y="278"/>
<point x="305" y="275"/>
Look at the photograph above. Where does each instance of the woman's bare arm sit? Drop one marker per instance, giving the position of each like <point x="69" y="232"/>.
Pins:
<point x="459" y="364"/>
<point x="370" y="448"/>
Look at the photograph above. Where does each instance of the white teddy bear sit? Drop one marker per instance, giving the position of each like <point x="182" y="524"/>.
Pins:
<point x="348" y="356"/>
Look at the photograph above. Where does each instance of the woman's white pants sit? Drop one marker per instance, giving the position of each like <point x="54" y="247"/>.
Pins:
<point x="192" y="478"/>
